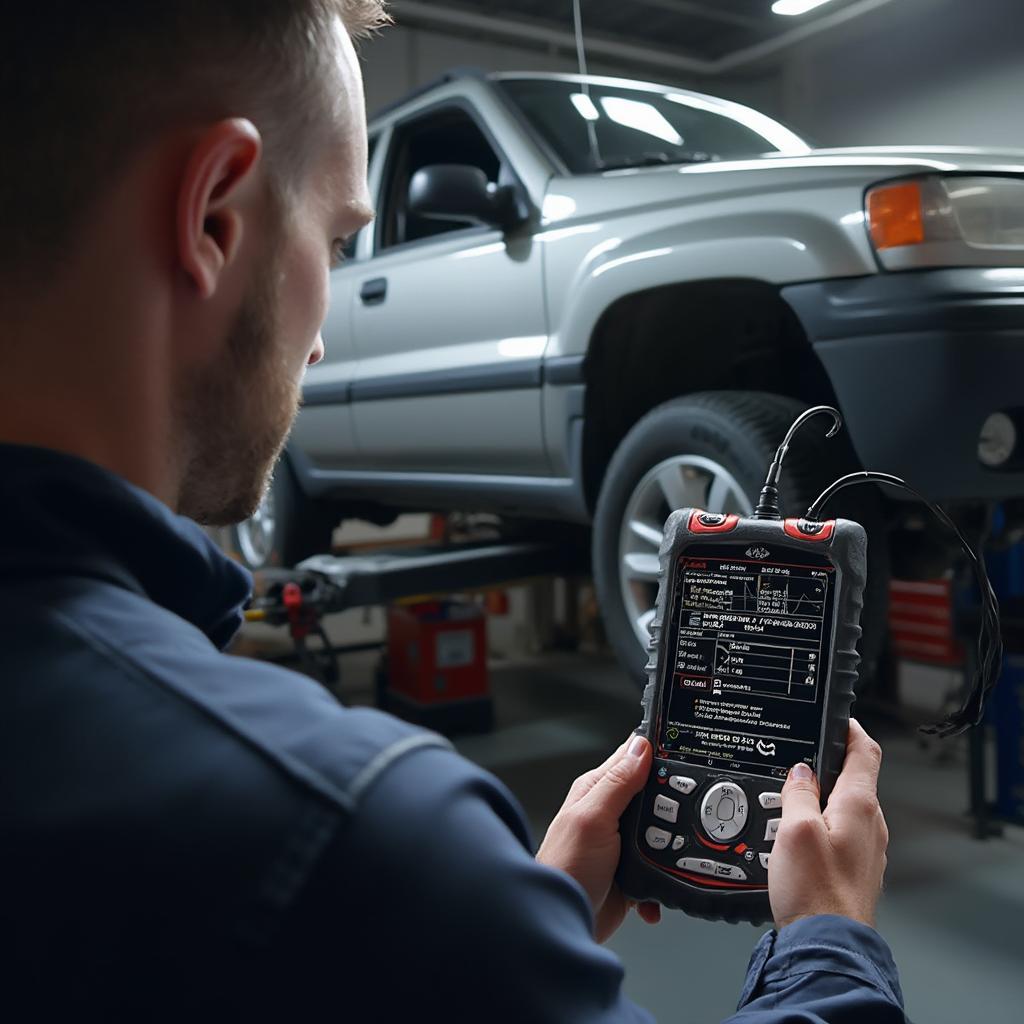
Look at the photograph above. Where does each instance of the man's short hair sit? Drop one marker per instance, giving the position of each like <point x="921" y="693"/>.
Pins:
<point x="85" y="84"/>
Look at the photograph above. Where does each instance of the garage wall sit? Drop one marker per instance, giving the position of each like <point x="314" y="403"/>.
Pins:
<point x="948" y="72"/>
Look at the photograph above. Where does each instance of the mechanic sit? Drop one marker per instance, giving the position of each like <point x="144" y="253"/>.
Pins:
<point x="186" y="833"/>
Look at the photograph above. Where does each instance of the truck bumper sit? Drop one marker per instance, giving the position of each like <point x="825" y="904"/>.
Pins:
<point x="918" y="362"/>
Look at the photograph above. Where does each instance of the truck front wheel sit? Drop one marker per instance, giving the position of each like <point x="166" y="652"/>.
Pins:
<point x="712" y="451"/>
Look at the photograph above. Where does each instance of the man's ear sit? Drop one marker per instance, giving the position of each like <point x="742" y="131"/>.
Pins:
<point x="220" y="170"/>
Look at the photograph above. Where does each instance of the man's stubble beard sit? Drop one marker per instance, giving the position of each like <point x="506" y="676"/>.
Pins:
<point x="236" y="415"/>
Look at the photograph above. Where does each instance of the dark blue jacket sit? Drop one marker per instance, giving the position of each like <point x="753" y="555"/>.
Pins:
<point x="184" y="833"/>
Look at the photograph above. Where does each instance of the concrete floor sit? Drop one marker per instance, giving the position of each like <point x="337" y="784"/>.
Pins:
<point x="953" y="910"/>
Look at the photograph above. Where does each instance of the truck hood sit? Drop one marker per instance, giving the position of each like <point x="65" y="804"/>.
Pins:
<point x="859" y="168"/>
<point x="961" y="158"/>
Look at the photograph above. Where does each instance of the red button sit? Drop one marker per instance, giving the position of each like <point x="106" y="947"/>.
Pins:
<point x="742" y="848"/>
<point x="716" y="524"/>
<point x="792" y="527"/>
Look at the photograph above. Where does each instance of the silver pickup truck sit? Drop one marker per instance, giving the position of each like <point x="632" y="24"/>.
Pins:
<point x="590" y="301"/>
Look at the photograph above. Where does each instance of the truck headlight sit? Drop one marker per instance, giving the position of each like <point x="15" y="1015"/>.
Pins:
<point x="947" y="221"/>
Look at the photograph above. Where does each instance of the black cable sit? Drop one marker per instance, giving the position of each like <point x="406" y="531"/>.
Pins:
<point x="768" y="503"/>
<point x="990" y="637"/>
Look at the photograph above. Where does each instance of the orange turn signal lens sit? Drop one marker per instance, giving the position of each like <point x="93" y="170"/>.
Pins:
<point x="894" y="215"/>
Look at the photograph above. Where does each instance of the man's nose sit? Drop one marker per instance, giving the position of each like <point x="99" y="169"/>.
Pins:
<point x="318" y="350"/>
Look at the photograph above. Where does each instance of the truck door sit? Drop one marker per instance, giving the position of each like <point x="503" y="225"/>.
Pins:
<point x="449" y="321"/>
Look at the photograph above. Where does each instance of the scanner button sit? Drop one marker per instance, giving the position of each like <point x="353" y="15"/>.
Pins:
<point x="763" y="858"/>
<point x="698" y="865"/>
<point x="730" y="871"/>
<point x="772" y="830"/>
<point x="666" y="809"/>
<point x="723" y="811"/>
<point x="657" y="838"/>
<point x="770" y="801"/>
<point x="682" y="784"/>
<point x="679" y="842"/>
<point x="723" y="831"/>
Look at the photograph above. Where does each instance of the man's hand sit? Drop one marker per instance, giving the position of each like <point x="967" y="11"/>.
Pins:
<point x="831" y="863"/>
<point x="583" y="839"/>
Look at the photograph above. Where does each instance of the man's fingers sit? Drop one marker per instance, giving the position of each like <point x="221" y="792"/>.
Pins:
<point x="800" y="794"/>
<point x="649" y="912"/>
<point x="863" y="760"/>
<point x="615" y="754"/>
<point x="585" y="782"/>
<point x="610" y="794"/>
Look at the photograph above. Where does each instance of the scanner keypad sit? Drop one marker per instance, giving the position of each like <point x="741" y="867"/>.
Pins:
<point x="726" y="825"/>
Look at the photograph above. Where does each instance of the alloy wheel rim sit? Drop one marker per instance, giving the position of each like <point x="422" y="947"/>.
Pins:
<point x="682" y="481"/>
<point x="256" y="534"/>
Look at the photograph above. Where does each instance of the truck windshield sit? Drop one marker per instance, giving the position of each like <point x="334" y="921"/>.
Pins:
<point x="600" y="126"/>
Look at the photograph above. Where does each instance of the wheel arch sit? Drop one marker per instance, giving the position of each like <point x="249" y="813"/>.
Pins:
<point x="670" y="341"/>
<point x="659" y="468"/>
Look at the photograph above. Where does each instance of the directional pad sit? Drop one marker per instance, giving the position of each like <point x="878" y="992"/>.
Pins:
<point x="723" y="811"/>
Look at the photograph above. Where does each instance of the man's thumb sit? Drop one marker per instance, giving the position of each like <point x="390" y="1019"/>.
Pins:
<point x="800" y="794"/>
<point x="623" y="779"/>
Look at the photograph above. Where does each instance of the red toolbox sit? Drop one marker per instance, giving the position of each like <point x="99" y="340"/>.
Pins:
<point x="437" y="665"/>
<point x="921" y="622"/>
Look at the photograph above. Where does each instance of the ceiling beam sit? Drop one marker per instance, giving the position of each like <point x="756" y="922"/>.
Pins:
<point x="818" y="26"/>
<point x="708" y="13"/>
<point x="419" y="14"/>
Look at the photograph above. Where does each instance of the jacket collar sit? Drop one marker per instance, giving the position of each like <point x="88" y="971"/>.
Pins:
<point x="64" y="516"/>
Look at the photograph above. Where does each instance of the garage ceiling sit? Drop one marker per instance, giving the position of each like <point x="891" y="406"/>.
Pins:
<point x="700" y="36"/>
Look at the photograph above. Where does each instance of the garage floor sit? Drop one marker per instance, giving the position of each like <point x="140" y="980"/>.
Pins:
<point x="952" y="910"/>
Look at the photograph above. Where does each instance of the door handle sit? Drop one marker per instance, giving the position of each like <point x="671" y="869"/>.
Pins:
<point x="374" y="291"/>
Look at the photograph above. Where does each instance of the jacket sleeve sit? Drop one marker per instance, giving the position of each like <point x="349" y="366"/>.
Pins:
<point x="821" y="970"/>
<point x="429" y="905"/>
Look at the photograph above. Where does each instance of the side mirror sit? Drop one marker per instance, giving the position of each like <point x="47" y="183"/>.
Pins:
<point x="458" y="192"/>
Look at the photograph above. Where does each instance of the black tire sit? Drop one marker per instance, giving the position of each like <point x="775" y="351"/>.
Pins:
<point x="738" y="431"/>
<point x="300" y="527"/>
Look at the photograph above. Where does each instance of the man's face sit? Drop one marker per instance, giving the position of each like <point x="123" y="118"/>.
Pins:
<point x="239" y="411"/>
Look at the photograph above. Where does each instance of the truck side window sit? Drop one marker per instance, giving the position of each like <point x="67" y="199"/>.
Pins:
<point x="446" y="137"/>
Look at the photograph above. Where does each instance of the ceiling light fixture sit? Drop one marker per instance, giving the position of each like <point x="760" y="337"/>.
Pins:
<point x="796" y="6"/>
